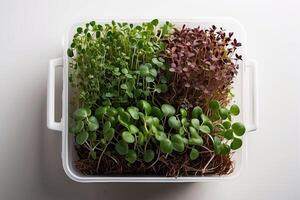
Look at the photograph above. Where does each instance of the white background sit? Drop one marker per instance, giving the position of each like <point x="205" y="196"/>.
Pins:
<point x="31" y="33"/>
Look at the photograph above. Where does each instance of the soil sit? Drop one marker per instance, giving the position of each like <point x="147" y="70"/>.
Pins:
<point x="173" y="165"/>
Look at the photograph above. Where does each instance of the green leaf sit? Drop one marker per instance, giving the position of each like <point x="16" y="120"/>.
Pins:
<point x="149" y="155"/>
<point x="204" y="129"/>
<point x="157" y="62"/>
<point x="184" y="122"/>
<point x="144" y="70"/>
<point x="109" y="134"/>
<point x="235" y="110"/>
<point x="82" y="137"/>
<point x="100" y="112"/>
<point x="79" y="30"/>
<point x="93" y="124"/>
<point x="214" y="104"/>
<point x="168" y="110"/>
<point x="238" y="128"/>
<point x="197" y="111"/>
<point x="149" y="79"/>
<point x="160" y="135"/>
<point x="127" y="137"/>
<point x="157" y="112"/>
<point x="217" y="145"/>
<point x="177" y="142"/>
<point x="124" y="71"/>
<point x="133" y="129"/>
<point x="236" y="144"/>
<point x="111" y="112"/>
<point x="124" y="118"/>
<point x="141" y="138"/>
<point x="81" y="113"/>
<point x="155" y="22"/>
<point x="106" y="126"/>
<point x="70" y="53"/>
<point x="122" y="147"/>
<point x="227" y="124"/>
<point x="153" y="72"/>
<point x="173" y="122"/>
<point x="76" y="126"/>
<point x="183" y="112"/>
<point x="144" y="105"/>
<point x="166" y="146"/>
<point x="161" y="88"/>
<point x="195" y="141"/>
<point x="224" y="113"/>
<point x="209" y="124"/>
<point x="193" y="131"/>
<point x="225" y="149"/>
<point x="131" y="156"/>
<point x="194" y="154"/>
<point x="134" y="112"/>
<point x="92" y="136"/>
<point x="195" y="123"/>
<point x="228" y="134"/>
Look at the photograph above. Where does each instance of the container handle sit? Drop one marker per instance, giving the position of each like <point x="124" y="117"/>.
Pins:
<point x="51" y="123"/>
<point x="251" y="66"/>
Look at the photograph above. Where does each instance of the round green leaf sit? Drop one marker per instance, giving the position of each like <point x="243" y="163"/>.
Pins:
<point x="82" y="137"/>
<point x="93" y="124"/>
<point x="235" y="110"/>
<point x="153" y="72"/>
<point x="197" y="111"/>
<point x="228" y="134"/>
<point x="214" y="104"/>
<point x="195" y="140"/>
<point x="225" y="149"/>
<point x="168" y="110"/>
<point x="193" y="131"/>
<point x="204" y="129"/>
<point x="238" y="128"/>
<point x="173" y="122"/>
<point x="134" y="112"/>
<point x="157" y="62"/>
<point x="111" y="112"/>
<point x="144" y="105"/>
<point x="149" y="155"/>
<point x="106" y="126"/>
<point x="109" y="134"/>
<point x="224" y="113"/>
<point x="157" y="112"/>
<point x="81" y="113"/>
<point x="183" y="112"/>
<point x="122" y="147"/>
<point x="166" y="146"/>
<point x="227" y="124"/>
<point x="133" y="129"/>
<point x="177" y="142"/>
<point x="124" y="118"/>
<point x="70" y="53"/>
<point x="144" y="70"/>
<point x="194" y="154"/>
<point x="131" y="156"/>
<point x="149" y="79"/>
<point x="195" y="123"/>
<point x="160" y="135"/>
<point x="100" y="112"/>
<point x="236" y="144"/>
<point x="77" y="126"/>
<point x="128" y="137"/>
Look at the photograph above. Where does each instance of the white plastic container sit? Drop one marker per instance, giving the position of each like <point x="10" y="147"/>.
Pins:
<point x="242" y="89"/>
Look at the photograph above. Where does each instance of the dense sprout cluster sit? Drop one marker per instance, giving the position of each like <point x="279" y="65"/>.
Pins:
<point x="153" y="98"/>
<point x="205" y="62"/>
